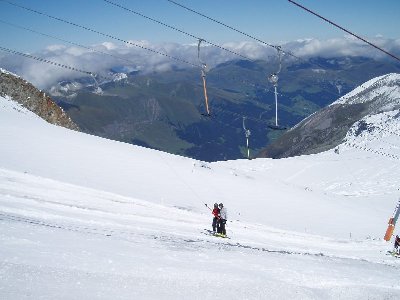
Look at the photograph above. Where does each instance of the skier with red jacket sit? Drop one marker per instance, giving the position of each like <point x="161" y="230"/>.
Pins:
<point x="215" y="223"/>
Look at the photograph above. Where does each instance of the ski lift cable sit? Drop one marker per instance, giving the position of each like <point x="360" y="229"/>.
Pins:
<point x="91" y="30"/>
<point x="179" y="177"/>
<point x="232" y="28"/>
<point x="250" y="36"/>
<point x="49" y="62"/>
<point x="83" y="46"/>
<point x="66" y="41"/>
<point x="176" y="29"/>
<point x="345" y="30"/>
<point x="238" y="115"/>
<point x="108" y="35"/>
<point x="102" y="34"/>
<point x="184" y="182"/>
<point x="94" y="76"/>
<point x="226" y="124"/>
<point x="221" y="23"/>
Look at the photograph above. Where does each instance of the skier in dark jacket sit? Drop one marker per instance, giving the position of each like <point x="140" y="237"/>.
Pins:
<point x="397" y="245"/>
<point x="222" y="219"/>
<point x="215" y="212"/>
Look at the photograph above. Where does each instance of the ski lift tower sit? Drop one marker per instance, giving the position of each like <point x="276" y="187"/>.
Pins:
<point x="247" y="133"/>
<point x="273" y="78"/>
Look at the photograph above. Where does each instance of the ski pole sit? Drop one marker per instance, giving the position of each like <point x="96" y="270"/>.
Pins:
<point x="207" y="206"/>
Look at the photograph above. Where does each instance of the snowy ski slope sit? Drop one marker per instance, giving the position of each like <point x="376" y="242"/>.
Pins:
<point x="89" y="218"/>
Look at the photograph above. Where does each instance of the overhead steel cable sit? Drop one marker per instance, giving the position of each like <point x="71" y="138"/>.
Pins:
<point x="344" y="29"/>
<point x="101" y="33"/>
<point x="176" y="29"/>
<point x="221" y="23"/>
<point x="240" y="116"/>
<point x="69" y="42"/>
<point x="94" y="76"/>
<point x="233" y="28"/>
<point x="47" y="61"/>
<point x="250" y="36"/>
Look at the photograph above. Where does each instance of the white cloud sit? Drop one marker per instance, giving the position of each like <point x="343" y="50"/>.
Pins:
<point x="135" y="58"/>
<point x="108" y="46"/>
<point x="346" y="46"/>
<point x="55" y="47"/>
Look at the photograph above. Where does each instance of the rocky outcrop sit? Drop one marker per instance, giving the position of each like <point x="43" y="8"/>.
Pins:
<point x="33" y="99"/>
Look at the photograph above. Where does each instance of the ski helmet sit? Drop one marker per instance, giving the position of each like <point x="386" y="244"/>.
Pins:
<point x="221" y="205"/>
<point x="215" y="204"/>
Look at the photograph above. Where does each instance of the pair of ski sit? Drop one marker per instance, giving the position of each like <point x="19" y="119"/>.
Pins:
<point x="393" y="253"/>
<point x="216" y="234"/>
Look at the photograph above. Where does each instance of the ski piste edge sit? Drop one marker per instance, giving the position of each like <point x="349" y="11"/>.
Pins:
<point x="212" y="233"/>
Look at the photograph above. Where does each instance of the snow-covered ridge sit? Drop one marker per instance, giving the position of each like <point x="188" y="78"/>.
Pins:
<point x="385" y="87"/>
<point x="8" y="72"/>
<point x="375" y="127"/>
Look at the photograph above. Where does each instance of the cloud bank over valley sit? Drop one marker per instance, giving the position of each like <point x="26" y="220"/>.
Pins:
<point x="107" y="56"/>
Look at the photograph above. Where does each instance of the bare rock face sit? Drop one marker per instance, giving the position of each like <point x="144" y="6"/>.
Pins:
<point x="320" y="132"/>
<point x="33" y="99"/>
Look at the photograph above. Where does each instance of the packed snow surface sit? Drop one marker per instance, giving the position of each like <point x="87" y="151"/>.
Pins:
<point x="89" y="218"/>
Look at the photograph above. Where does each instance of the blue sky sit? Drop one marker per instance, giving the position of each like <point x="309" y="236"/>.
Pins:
<point x="273" y="21"/>
<point x="276" y="22"/>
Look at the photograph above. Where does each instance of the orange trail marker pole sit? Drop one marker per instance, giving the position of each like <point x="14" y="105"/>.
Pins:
<point x="392" y="222"/>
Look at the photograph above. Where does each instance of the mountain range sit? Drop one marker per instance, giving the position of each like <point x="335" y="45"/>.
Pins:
<point x="164" y="110"/>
